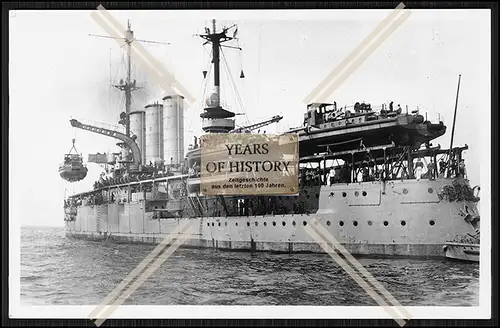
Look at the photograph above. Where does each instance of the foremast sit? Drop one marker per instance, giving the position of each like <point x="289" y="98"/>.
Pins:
<point x="128" y="85"/>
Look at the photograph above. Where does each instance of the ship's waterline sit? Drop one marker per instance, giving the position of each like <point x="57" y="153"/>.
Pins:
<point x="360" y="249"/>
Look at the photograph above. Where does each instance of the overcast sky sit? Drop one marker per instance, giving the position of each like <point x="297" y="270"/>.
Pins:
<point x="58" y="71"/>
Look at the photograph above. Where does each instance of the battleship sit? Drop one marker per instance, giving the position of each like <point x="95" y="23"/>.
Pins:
<point x="369" y="174"/>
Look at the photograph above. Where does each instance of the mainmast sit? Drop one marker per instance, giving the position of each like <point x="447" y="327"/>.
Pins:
<point x="215" y="118"/>
<point x="128" y="86"/>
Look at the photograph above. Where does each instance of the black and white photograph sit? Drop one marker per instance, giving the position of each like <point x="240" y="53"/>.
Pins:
<point x="111" y="210"/>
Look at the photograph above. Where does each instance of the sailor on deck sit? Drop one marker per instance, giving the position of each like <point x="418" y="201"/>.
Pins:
<point x="431" y="168"/>
<point x="442" y="168"/>
<point x="461" y="168"/>
<point x="418" y="168"/>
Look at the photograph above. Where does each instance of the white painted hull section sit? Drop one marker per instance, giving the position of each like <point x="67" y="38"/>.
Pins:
<point x="398" y="218"/>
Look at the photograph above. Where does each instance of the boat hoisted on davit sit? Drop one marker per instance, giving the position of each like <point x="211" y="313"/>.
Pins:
<point x="73" y="169"/>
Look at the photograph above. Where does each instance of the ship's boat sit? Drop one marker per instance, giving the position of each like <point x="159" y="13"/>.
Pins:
<point x="341" y="129"/>
<point x="73" y="169"/>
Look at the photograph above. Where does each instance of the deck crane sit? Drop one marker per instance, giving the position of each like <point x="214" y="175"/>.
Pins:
<point x="128" y="141"/>
<point x="254" y="126"/>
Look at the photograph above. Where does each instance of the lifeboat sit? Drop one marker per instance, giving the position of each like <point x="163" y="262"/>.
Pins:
<point x="73" y="169"/>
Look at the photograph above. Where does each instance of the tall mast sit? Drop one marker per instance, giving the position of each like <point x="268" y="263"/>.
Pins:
<point x="215" y="50"/>
<point x="128" y="85"/>
<point x="128" y="93"/>
<point x="455" y="114"/>
<point x="216" y="119"/>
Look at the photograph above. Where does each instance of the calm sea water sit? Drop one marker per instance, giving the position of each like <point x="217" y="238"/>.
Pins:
<point x="59" y="271"/>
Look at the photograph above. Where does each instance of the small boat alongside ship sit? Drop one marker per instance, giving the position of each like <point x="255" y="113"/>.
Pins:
<point x="462" y="251"/>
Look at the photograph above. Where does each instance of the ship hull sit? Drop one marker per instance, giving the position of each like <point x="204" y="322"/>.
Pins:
<point x="359" y="249"/>
<point x="399" y="218"/>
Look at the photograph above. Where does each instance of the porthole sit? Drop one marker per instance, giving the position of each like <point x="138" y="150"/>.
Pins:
<point x="213" y="224"/>
<point x="405" y="191"/>
<point x="356" y="193"/>
<point x="225" y="223"/>
<point x="341" y="223"/>
<point x="304" y="223"/>
<point x="386" y="223"/>
<point x="265" y="224"/>
<point x="364" y="193"/>
<point x="274" y="224"/>
<point x="432" y="222"/>
<point x="256" y="223"/>
<point x="430" y="190"/>
<point x="283" y="223"/>
<point x="328" y="223"/>
<point x="403" y="223"/>
<point x="344" y="194"/>
<point x="355" y="223"/>
<point x="293" y="223"/>
<point x="236" y="223"/>
<point x="331" y="194"/>
<point x="219" y="224"/>
<point x="208" y="224"/>
<point x="370" y="223"/>
<point x="248" y="224"/>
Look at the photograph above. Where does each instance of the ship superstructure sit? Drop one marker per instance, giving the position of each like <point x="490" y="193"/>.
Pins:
<point x="371" y="176"/>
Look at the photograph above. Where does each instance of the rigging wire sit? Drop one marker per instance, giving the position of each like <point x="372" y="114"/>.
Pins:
<point x="203" y="87"/>
<point x="234" y="87"/>
<point x="258" y="64"/>
<point x="246" y="119"/>
<point x="227" y="77"/>
<point x="207" y="79"/>
<point x="110" y="81"/>
<point x="224" y="100"/>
